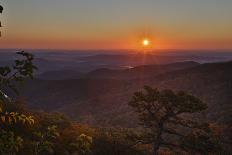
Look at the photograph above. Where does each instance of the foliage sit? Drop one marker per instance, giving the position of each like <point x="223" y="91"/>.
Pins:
<point x="48" y="119"/>
<point x="11" y="117"/>
<point x="21" y="69"/>
<point x="1" y="9"/>
<point x="82" y="145"/>
<point x="9" y="76"/>
<point x="201" y="141"/>
<point x="44" y="141"/>
<point x="116" y="141"/>
<point x="165" y="114"/>
<point x="9" y="142"/>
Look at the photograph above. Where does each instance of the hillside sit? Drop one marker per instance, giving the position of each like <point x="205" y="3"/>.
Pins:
<point x="140" y="72"/>
<point x="104" y="101"/>
<point x="60" y="75"/>
<point x="211" y="82"/>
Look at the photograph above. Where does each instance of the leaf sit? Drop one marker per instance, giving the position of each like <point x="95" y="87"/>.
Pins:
<point x="3" y="118"/>
<point x="9" y="120"/>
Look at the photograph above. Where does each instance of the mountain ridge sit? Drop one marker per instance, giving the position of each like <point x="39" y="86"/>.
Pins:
<point x="102" y="101"/>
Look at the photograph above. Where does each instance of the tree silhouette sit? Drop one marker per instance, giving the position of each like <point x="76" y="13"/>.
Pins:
<point x="167" y="120"/>
<point x="1" y="9"/>
<point x="11" y="75"/>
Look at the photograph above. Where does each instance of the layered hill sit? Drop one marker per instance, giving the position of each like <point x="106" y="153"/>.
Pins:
<point x="140" y="72"/>
<point x="101" y="97"/>
<point x="60" y="75"/>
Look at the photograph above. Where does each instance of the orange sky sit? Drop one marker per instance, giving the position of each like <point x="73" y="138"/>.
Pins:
<point x="121" y="24"/>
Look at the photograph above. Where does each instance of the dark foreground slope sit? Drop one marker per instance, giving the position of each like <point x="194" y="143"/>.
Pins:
<point x="102" y="101"/>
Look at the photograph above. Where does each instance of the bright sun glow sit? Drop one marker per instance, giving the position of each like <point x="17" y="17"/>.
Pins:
<point x="146" y="42"/>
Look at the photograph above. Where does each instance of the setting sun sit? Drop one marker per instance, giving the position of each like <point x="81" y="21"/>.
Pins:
<point x="146" y="42"/>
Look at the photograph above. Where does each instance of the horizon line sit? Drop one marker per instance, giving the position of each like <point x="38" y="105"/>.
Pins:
<point x="108" y="49"/>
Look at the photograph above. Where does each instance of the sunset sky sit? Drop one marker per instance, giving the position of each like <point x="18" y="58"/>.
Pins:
<point x="116" y="24"/>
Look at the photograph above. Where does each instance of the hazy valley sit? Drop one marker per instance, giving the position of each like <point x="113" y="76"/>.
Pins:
<point x="100" y="95"/>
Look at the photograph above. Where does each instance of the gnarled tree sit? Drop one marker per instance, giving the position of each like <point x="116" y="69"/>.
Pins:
<point x="168" y="123"/>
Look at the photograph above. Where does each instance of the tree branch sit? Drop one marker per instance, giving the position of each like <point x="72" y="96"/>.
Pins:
<point x="173" y="132"/>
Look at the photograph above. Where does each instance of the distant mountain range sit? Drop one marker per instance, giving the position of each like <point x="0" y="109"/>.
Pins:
<point x="100" y="97"/>
<point x="86" y="61"/>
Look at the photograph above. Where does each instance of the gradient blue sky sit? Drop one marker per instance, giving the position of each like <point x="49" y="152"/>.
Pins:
<point x="75" y="24"/>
